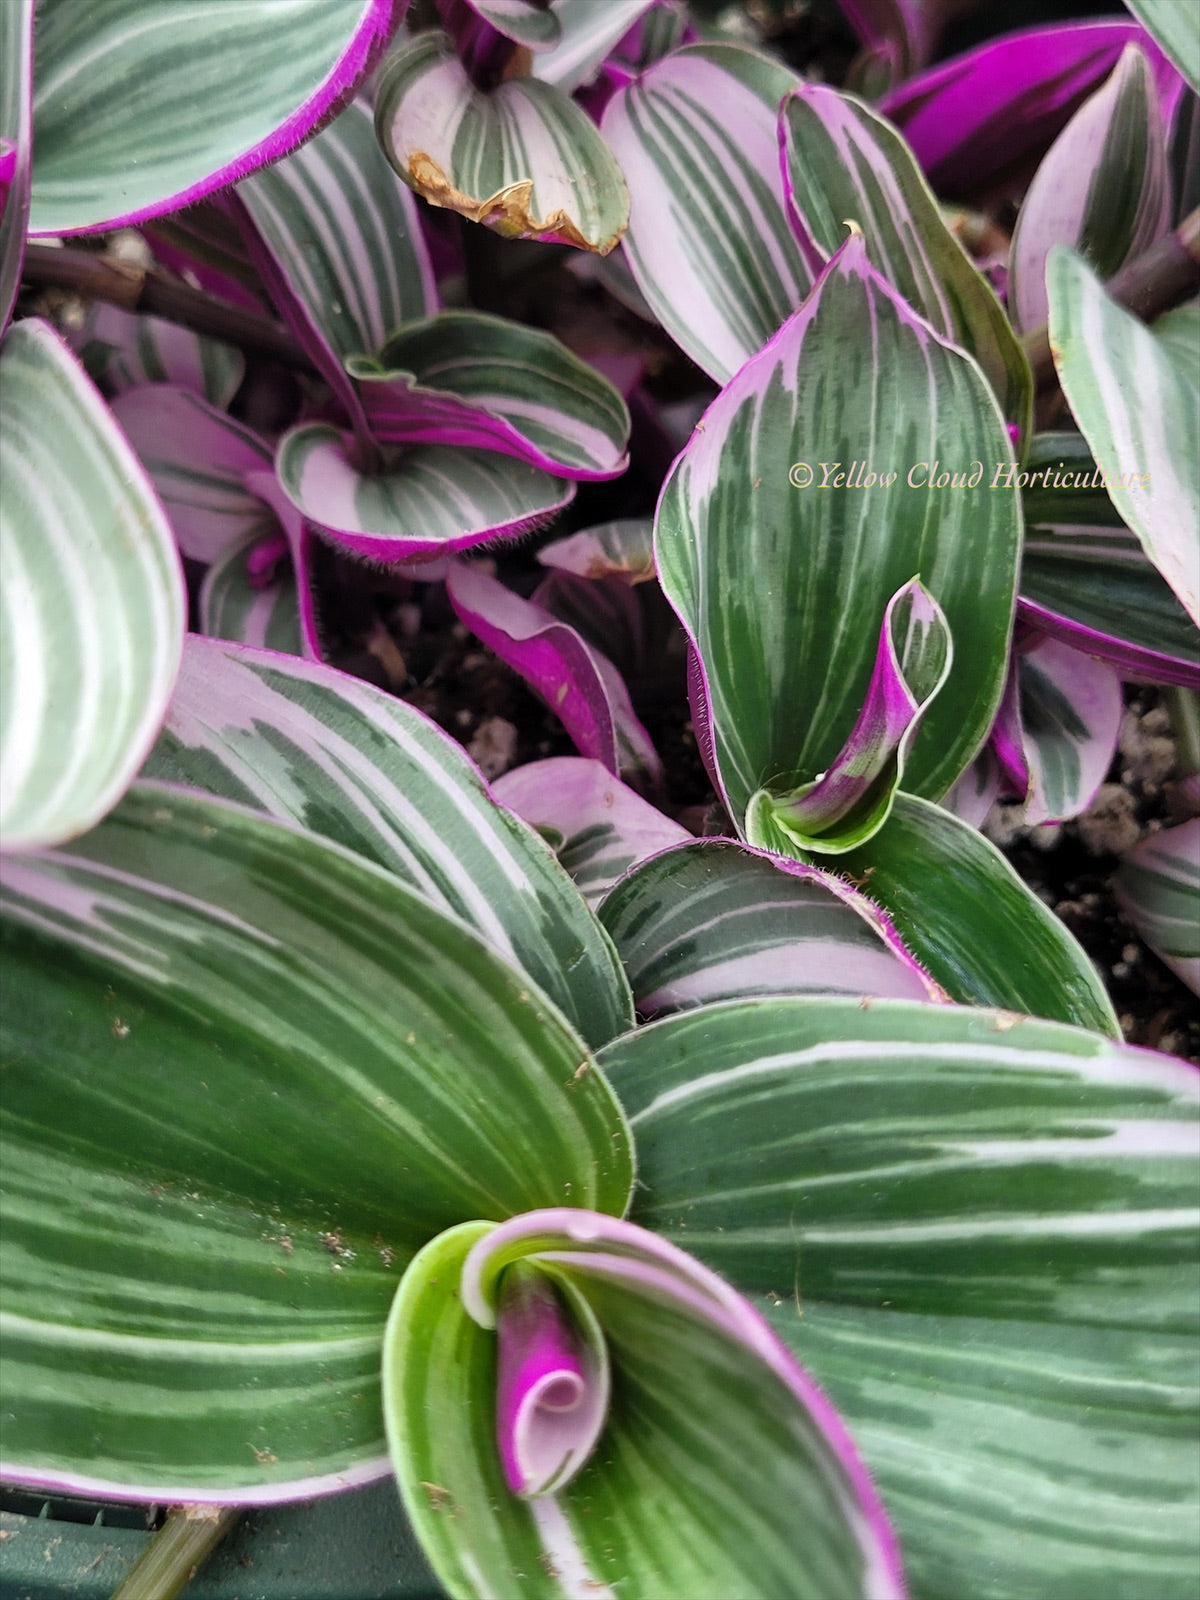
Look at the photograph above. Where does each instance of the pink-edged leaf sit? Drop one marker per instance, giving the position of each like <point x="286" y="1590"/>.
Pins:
<point x="590" y="33"/>
<point x="611" y="615"/>
<point x="336" y="238"/>
<point x="579" y="684"/>
<point x="300" y="545"/>
<point x="522" y="157"/>
<point x="597" y="826"/>
<point x="16" y="100"/>
<point x="899" y="32"/>
<point x="623" y="549"/>
<point x="221" y="90"/>
<point x="198" y="459"/>
<point x="533" y="23"/>
<point x="1006" y="742"/>
<point x="249" y="596"/>
<point x="709" y="241"/>
<point x="205" y="245"/>
<point x="1104" y="188"/>
<point x="128" y="351"/>
<point x="464" y="377"/>
<point x="1071" y="707"/>
<point x="1158" y="889"/>
<point x="845" y="805"/>
<point x="428" y="499"/>
<point x="980" y="119"/>
<point x="975" y="793"/>
<point x="711" y="919"/>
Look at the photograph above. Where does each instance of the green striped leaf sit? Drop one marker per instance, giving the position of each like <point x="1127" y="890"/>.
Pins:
<point x="533" y="23"/>
<point x="721" y="1470"/>
<point x="234" y="606"/>
<point x="522" y="158"/>
<point x="128" y="352"/>
<point x="428" y="500"/>
<point x="709" y="240"/>
<point x="1172" y="27"/>
<point x="198" y="459"/>
<point x="1158" y="889"/>
<point x="1071" y="708"/>
<point x="1134" y="398"/>
<point x="622" y="549"/>
<point x="247" y="1076"/>
<point x="932" y="873"/>
<point x="714" y="920"/>
<point x="1104" y="188"/>
<point x="220" y="90"/>
<point x="345" y="258"/>
<point x="980" y="1234"/>
<point x="841" y="161"/>
<point x="588" y="33"/>
<point x="91" y="598"/>
<point x="310" y="745"/>
<point x="16" y="98"/>
<point x="781" y="570"/>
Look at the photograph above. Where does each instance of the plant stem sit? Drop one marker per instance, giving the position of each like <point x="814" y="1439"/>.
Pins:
<point x="1183" y="705"/>
<point x="169" y="1562"/>
<point x="141" y="289"/>
<point x="1164" y="276"/>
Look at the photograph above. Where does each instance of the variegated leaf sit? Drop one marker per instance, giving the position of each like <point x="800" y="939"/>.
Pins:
<point x="1173" y="27"/>
<point x="1135" y="397"/>
<point x="247" y="1076"/>
<point x="715" y="920"/>
<point x="931" y="873"/>
<point x="1158" y="888"/>
<point x="16" y="102"/>
<point x="533" y="23"/>
<point x="840" y="160"/>
<point x="623" y="549"/>
<point x="467" y="378"/>
<point x="1104" y="188"/>
<point x="236" y="604"/>
<point x="339" y="244"/>
<point x="579" y="684"/>
<point x="312" y="746"/>
<point x="198" y="458"/>
<point x="522" y="158"/>
<point x="1071" y="706"/>
<point x="428" y="500"/>
<point x="597" y="826"/>
<point x="128" y="352"/>
<point x="665" y="1505"/>
<point x="981" y="1235"/>
<point x="709" y="240"/>
<point x="92" y="600"/>
<point x="782" y="569"/>
<point x="588" y="33"/>
<point x="220" y="91"/>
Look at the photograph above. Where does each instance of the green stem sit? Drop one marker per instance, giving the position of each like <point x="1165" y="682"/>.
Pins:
<point x="181" y="1545"/>
<point x="1183" y="707"/>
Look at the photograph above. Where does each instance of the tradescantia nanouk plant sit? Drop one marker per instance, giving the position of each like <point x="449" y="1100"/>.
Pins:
<point x="770" y="1212"/>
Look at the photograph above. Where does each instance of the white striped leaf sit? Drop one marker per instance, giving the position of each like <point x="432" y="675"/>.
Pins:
<point x="721" y="1471"/>
<point x="622" y="549"/>
<point x="782" y="582"/>
<point x="92" y="600"/>
<point x="980" y="1234"/>
<point x="522" y="158"/>
<point x="1104" y="188"/>
<point x="1135" y="398"/>
<point x="198" y="459"/>
<point x="221" y="90"/>
<point x="533" y="23"/>
<point x="16" y="100"/>
<point x="709" y="240"/>
<point x="931" y="874"/>
<point x="129" y="351"/>
<point x="467" y="378"/>
<point x="312" y="746"/>
<point x="842" y="161"/>
<point x="588" y="33"/>
<point x="597" y="826"/>
<point x="1071" y="707"/>
<point x="247" y="1076"/>
<point x="339" y="244"/>
<point x="237" y="604"/>
<point x="1174" y="28"/>
<point x="1158" y="888"/>
<point x="578" y="682"/>
<point x="715" y="920"/>
<point x="1085" y="577"/>
<point x="428" y="500"/>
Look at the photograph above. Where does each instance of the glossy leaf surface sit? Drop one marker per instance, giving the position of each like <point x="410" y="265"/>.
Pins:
<point x="315" y="747"/>
<point x="981" y="1235"/>
<point x="221" y="90"/>
<point x="248" y="1075"/>
<point x="91" y="598"/>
